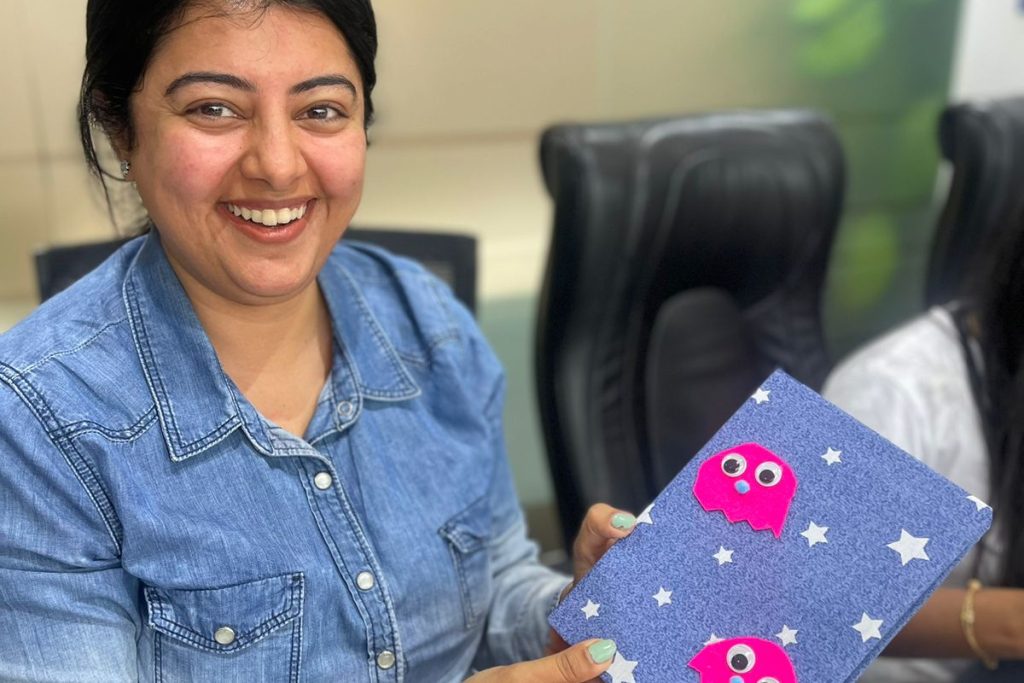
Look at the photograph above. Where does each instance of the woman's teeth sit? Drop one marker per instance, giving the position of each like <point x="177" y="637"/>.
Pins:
<point x="268" y="217"/>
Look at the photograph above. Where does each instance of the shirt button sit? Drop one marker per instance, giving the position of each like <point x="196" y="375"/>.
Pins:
<point x="386" y="659"/>
<point x="225" y="635"/>
<point x="365" y="581"/>
<point x="323" y="480"/>
<point x="346" y="409"/>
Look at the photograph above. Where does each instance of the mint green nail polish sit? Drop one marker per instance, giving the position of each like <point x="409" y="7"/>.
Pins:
<point x="623" y="520"/>
<point x="602" y="651"/>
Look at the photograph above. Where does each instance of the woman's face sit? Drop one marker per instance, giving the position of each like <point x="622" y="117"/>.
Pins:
<point x="249" y="150"/>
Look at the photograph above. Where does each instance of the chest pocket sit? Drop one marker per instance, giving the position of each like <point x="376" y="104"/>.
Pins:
<point x="247" y="632"/>
<point x="467" y="534"/>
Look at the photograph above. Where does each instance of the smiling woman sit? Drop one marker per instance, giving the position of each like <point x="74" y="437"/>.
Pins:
<point x="240" y="450"/>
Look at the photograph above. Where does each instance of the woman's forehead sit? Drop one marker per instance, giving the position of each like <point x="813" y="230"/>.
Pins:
<point x="252" y="36"/>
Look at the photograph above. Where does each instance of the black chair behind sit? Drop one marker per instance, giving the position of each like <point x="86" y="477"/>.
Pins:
<point x="985" y="143"/>
<point x="740" y="206"/>
<point x="452" y="257"/>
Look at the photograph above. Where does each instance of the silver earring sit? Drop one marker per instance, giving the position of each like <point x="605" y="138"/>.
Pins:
<point x="126" y="168"/>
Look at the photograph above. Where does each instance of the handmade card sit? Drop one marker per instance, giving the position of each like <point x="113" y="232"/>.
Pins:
<point x="793" y="547"/>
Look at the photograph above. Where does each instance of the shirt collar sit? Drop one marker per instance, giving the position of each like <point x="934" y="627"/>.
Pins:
<point x="197" y="403"/>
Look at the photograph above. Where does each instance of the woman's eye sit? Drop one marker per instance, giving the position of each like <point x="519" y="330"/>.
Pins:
<point x="214" y="111"/>
<point x="324" y="113"/>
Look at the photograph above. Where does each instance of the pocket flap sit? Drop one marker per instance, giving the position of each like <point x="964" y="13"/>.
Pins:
<point x="469" y="529"/>
<point x="243" y="613"/>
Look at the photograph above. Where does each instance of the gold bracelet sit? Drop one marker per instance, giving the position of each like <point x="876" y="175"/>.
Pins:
<point x="967" y="618"/>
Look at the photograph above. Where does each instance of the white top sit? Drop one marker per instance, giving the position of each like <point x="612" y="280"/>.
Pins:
<point x="911" y="386"/>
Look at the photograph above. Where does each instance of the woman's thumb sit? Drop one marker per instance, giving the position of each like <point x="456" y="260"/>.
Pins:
<point x="578" y="664"/>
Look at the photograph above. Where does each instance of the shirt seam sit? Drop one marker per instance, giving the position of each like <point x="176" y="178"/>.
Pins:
<point x="80" y="467"/>
<point x="82" y="345"/>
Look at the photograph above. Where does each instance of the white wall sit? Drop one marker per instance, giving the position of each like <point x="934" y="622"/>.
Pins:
<point x="989" y="59"/>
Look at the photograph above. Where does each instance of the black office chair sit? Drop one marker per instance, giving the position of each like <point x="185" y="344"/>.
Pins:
<point x="450" y="256"/>
<point x="984" y="141"/>
<point x="686" y="262"/>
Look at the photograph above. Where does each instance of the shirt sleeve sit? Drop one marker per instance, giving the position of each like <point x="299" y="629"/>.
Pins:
<point x="884" y="401"/>
<point x="523" y="590"/>
<point x="68" y="611"/>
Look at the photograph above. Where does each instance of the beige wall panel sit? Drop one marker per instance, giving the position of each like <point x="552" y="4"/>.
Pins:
<point x="25" y="226"/>
<point x="18" y="138"/>
<point x="492" y="190"/>
<point x="55" y="50"/>
<point x="82" y="214"/>
<point x="662" y="57"/>
<point x="463" y="67"/>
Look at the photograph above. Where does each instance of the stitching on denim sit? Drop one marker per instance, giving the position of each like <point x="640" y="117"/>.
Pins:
<point x="252" y="637"/>
<point x="460" y="572"/>
<point x="82" y="470"/>
<point x="127" y="434"/>
<point x="385" y="346"/>
<point x="338" y="559"/>
<point x="158" y="655"/>
<point x="296" y="658"/>
<point x="67" y="352"/>
<point x="145" y="351"/>
<point x="213" y="438"/>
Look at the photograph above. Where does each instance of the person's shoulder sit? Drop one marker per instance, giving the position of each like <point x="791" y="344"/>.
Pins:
<point x="921" y="347"/>
<point x="79" y="332"/>
<point x="402" y="294"/>
<point x="416" y="310"/>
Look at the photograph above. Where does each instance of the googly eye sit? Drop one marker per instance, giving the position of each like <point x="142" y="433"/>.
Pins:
<point x="768" y="474"/>
<point x="741" y="659"/>
<point x="768" y="679"/>
<point x="734" y="464"/>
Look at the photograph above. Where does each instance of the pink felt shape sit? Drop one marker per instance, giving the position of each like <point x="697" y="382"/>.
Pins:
<point x="743" y="660"/>
<point x="768" y="481"/>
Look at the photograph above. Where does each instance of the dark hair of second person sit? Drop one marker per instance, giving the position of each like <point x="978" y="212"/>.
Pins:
<point x="992" y="325"/>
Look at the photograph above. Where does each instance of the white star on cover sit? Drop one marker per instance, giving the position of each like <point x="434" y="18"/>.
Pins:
<point x="761" y="396"/>
<point x="663" y="597"/>
<point x="868" y="628"/>
<point x="787" y="636"/>
<point x="723" y="555"/>
<point x="978" y="502"/>
<point x="712" y="640"/>
<point x="621" y="670"/>
<point x="645" y="516"/>
<point x="815" y="534"/>
<point x="590" y="609"/>
<point x="831" y="456"/>
<point x="909" y="547"/>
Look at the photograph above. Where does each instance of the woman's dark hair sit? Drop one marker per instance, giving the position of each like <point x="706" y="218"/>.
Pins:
<point x="121" y="36"/>
<point x="992" y="324"/>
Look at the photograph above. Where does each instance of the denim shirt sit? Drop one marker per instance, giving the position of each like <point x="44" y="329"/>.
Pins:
<point x="154" y="526"/>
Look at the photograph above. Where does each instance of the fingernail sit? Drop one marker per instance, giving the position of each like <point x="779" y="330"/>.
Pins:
<point x="602" y="651"/>
<point x="623" y="520"/>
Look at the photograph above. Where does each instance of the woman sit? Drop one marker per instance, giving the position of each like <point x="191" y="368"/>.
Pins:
<point x="237" y="450"/>
<point x="949" y="388"/>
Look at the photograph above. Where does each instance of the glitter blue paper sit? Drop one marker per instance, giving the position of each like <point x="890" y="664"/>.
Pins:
<point x="867" y="500"/>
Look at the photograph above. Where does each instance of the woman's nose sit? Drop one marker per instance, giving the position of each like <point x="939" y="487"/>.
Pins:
<point x="274" y="156"/>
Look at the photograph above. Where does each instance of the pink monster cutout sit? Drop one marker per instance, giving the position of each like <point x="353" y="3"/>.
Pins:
<point x="743" y="660"/>
<point x="747" y="483"/>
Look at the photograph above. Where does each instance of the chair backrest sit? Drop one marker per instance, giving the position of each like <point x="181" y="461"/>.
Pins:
<point x="746" y="203"/>
<point x="984" y="141"/>
<point x="450" y="256"/>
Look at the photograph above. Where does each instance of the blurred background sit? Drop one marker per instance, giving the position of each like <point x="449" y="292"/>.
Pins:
<point x="466" y="87"/>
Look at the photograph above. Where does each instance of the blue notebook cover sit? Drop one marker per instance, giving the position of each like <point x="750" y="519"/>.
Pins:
<point x="792" y="547"/>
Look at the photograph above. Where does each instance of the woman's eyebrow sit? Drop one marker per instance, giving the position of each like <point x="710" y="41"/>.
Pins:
<point x="209" y="77"/>
<point x="324" y="81"/>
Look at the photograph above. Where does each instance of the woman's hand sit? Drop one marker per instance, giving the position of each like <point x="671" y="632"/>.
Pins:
<point x="601" y="528"/>
<point x="581" y="663"/>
